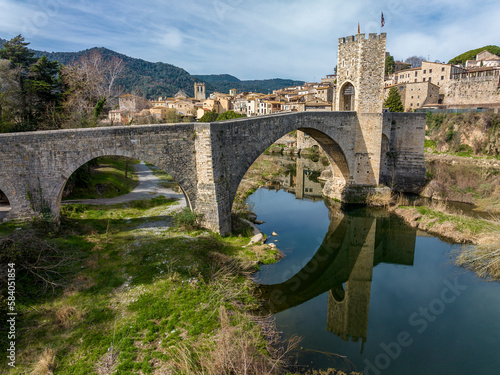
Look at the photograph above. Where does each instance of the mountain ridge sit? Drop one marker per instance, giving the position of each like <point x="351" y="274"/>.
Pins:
<point x="154" y="79"/>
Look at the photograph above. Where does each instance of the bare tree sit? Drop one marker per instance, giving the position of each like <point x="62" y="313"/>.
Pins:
<point x="91" y="80"/>
<point x="415" y="61"/>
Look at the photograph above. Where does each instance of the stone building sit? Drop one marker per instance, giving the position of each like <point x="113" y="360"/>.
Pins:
<point x="133" y="103"/>
<point x="326" y="93"/>
<point x="484" y="59"/>
<point x="200" y="91"/>
<point x="414" y="95"/>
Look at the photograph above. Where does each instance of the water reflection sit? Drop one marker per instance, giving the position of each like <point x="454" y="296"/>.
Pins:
<point x="352" y="279"/>
<point x="356" y="241"/>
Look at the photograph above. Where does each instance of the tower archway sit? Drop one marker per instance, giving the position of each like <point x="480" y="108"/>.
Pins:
<point x="347" y="96"/>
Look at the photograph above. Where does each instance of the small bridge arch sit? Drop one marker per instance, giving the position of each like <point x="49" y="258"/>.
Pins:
<point x="71" y="168"/>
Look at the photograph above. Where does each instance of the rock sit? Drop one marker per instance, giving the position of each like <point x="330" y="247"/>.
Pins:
<point x="272" y="246"/>
<point x="252" y="217"/>
<point x="274" y="234"/>
<point x="258" y="222"/>
<point x="258" y="238"/>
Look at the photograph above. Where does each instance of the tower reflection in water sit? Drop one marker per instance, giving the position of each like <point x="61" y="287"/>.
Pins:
<point x="356" y="241"/>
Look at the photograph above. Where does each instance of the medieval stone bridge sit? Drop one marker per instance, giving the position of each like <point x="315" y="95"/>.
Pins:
<point x="366" y="147"/>
<point x="208" y="160"/>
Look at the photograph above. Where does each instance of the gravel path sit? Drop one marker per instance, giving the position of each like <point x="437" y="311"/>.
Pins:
<point x="4" y="210"/>
<point x="149" y="187"/>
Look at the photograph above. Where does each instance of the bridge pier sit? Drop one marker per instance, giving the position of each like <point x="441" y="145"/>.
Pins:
<point x="213" y="200"/>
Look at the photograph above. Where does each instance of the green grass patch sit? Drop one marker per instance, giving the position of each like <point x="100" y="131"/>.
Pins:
<point x="107" y="180"/>
<point x="131" y="297"/>
<point x="462" y="223"/>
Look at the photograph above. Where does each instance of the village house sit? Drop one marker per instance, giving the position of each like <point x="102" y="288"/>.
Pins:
<point x="484" y="59"/>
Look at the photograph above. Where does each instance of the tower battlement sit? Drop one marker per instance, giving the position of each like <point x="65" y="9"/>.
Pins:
<point x="358" y="37"/>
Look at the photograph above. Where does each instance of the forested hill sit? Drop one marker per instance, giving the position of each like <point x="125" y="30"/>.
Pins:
<point x="225" y="82"/>
<point x="470" y="55"/>
<point x="140" y="77"/>
<point x="151" y="80"/>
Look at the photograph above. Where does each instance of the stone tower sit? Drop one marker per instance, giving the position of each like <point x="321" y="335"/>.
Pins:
<point x="360" y="73"/>
<point x="360" y="82"/>
<point x="199" y="91"/>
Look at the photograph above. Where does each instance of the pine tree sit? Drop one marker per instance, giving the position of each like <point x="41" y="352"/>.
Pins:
<point x="389" y="65"/>
<point x="393" y="101"/>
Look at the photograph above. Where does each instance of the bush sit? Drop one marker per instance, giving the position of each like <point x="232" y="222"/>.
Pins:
<point x="188" y="219"/>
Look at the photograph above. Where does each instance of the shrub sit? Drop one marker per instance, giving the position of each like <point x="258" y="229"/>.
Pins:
<point x="188" y="219"/>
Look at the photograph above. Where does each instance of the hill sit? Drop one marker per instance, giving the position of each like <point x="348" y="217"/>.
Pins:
<point x="470" y="55"/>
<point x="140" y="77"/>
<point x="151" y="80"/>
<point x="225" y="82"/>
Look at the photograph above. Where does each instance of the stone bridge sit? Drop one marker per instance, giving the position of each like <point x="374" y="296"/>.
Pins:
<point x="365" y="146"/>
<point x="208" y="160"/>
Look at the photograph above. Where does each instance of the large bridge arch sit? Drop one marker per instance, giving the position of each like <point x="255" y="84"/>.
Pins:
<point x="79" y="161"/>
<point x="244" y="140"/>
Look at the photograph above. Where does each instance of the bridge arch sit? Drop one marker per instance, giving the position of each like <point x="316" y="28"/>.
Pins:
<point x="332" y="140"/>
<point x="76" y="163"/>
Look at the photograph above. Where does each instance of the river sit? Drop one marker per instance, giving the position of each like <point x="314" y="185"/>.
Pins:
<point x="366" y="292"/>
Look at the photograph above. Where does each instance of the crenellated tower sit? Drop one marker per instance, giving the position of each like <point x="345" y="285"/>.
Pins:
<point x="360" y="73"/>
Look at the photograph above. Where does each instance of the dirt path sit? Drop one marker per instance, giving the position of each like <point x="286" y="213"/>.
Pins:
<point x="149" y="187"/>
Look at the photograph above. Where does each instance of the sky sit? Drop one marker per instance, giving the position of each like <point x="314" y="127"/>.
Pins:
<point x="251" y="39"/>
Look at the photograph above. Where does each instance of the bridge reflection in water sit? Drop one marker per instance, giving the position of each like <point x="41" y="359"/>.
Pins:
<point x="343" y="266"/>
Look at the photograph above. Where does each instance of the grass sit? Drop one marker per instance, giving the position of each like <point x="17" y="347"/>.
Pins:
<point x="142" y="299"/>
<point x="437" y="218"/>
<point x="108" y="180"/>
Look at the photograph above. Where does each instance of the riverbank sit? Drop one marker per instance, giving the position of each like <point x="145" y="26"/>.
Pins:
<point x="133" y="284"/>
<point x="135" y="291"/>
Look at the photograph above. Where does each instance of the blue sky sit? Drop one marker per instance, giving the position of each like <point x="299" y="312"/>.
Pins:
<point x="251" y="39"/>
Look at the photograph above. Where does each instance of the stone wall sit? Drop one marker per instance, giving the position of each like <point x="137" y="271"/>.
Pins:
<point x="402" y="152"/>
<point x="472" y="91"/>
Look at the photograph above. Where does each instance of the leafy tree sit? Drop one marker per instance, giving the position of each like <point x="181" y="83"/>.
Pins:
<point x="389" y="65"/>
<point x="17" y="52"/>
<point x="38" y="87"/>
<point x="415" y="61"/>
<point x="209" y="117"/>
<point x="229" y="115"/>
<point x="393" y="101"/>
<point x="45" y="89"/>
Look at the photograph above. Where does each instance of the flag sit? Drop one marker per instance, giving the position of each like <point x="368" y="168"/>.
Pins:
<point x="382" y="21"/>
<point x="359" y="32"/>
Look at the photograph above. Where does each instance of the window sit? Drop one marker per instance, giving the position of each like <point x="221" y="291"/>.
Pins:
<point x="430" y="71"/>
<point x="416" y="74"/>
<point x="425" y="71"/>
<point x="424" y="79"/>
<point x="442" y="69"/>
<point x="442" y="77"/>
<point x="430" y="78"/>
